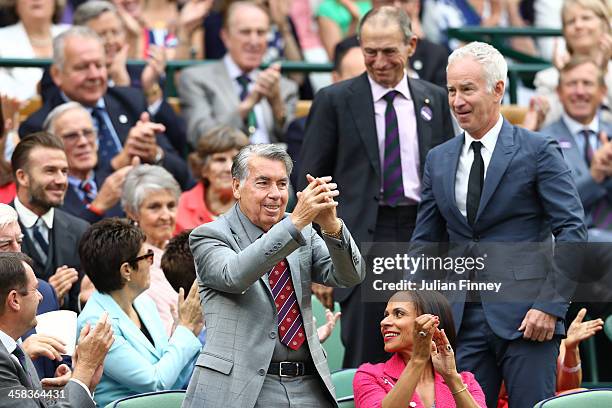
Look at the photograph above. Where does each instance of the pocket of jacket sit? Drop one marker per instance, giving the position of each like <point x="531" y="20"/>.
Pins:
<point x="215" y="362"/>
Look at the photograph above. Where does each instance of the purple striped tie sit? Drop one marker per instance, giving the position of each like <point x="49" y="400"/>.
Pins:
<point x="290" y="326"/>
<point x="393" y="184"/>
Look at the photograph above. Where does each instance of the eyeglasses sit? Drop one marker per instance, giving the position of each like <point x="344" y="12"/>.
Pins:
<point x="148" y="256"/>
<point x="73" y="137"/>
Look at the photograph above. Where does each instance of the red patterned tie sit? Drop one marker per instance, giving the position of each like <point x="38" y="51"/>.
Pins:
<point x="290" y="327"/>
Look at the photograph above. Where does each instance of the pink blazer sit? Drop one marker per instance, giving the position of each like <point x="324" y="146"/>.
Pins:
<point x="192" y="210"/>
<point x="372" y="382"/>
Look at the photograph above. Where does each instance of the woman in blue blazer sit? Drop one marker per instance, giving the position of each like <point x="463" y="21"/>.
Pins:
<point x="142" y="358"/>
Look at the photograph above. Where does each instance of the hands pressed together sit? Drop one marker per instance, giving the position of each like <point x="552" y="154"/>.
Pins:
<point x="316" y="204"/>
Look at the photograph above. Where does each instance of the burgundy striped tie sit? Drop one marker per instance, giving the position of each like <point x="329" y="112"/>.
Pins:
<point x="290" y="326"/>
<point x="393" y="184"/>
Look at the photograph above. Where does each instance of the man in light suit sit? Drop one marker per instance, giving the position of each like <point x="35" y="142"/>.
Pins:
<point x="20" y="386"/>
<point x="233" y="91"/>
<point x="346" y="135"/>
<point x="500" y="183"/>
<point x="255" y="265"/>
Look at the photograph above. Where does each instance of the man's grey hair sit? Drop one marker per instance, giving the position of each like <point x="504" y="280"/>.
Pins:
<point x="49" y="123"/>
<point x="8" y="215"/>
<point x="143" y="180"/>
<point x="240" y="167"/>
<point x="492" y="62"/>
<point x="388" y="15"/>
<point x="91" y="10"/>
<point x="59" y="43"/>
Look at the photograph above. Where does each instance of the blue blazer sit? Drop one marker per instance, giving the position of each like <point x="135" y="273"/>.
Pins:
<point x="528" y="195"/>
<point x="134" y="365"/>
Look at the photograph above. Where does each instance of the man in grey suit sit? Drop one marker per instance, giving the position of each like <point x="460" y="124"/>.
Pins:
<point x="233" y="91"/>
<point x="583" y="136"/>
<point x="255" y="265"/>
<point x="19" y="382"/>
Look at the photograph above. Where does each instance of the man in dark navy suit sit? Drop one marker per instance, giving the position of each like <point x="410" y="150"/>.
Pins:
<point x="125" y="129"/>
<point x="497" y="183"/>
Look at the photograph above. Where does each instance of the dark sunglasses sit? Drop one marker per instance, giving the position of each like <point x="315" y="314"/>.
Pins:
<point x="148" y="256"/>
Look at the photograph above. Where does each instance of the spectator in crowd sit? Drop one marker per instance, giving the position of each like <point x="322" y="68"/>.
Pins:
<point x="143" y="358"/>
<point x="587" y="33"/>
<point x="582" y="133"/>
<point x="233" y="91"/>
<point x="351" y="114"/>
<point x="429" y="59"/>
<point x="51" y="235"/>
<point x="20" y="297"/>
<point x="150" y="199"/>
<point x="418" y="374"/>
<point x="30" y="36"/>
<point x="251" y="348"/>
<point x="91" y="195"/>
<point x="120" y="114"/>
<point x="339" y="19"/>
<point x="7" y="184"/>
<point x="45" y="351"/>
<point x="211" y="163"/>
<point x="509" y="185"/>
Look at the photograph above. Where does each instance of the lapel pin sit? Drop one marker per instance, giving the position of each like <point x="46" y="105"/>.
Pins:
<point x="123" y="119"/>
<point x="427" y="101"/>
<point x="426" y="113"/>
<point x="418" y="65"/>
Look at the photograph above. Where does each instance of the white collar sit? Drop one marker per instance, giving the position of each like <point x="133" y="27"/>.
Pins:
<point x="489" y="139"/>
<point x="576" y="127"/>
<point x="378" y="91"/>
<point x="234" y="70"/>
<point x="9" y="343"/>
<point x="28" y="218"/>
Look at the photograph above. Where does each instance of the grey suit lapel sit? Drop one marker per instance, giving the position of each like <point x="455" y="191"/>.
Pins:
<point x="504" y="151"/>
<point x="570" y="149"/>
<point x="362" y="110"/>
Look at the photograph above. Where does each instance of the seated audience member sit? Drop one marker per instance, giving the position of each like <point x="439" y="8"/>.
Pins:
<point x="143" y="358"/>
<point x="419" y="374"/>
<point x="51" y="235"/>
<point x="20" y="296"/>
<point x="429" y="59"/>
<point x="583" y="135"/>
<point x="120" y="114"/>
<point x="339" y="19"/>
<point x="91" y="195"/>
<point x="587" y="33"/>
<point x="30" y="36"/>
<point x="211" y="164"/>
<point x="7" y="184"/>
<point x="150" y="198"/>
<point x="233" y="91"/>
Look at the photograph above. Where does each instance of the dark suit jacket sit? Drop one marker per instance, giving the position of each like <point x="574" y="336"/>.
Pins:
<point x="13" y="379"/>
<point x="75" y="206"/>
<point x="64" y="240"/>
<point x="429" y="61"/>
<point x="124" y="106"/>
<point x="528" y="195"/>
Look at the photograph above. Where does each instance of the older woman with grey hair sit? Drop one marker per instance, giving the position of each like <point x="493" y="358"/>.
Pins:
<point x="150" y="199"/>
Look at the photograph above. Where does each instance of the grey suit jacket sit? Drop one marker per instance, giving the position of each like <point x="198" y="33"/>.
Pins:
<point x="13" y="377"/>
<point x="239" y="309"/>
<point x="209" y="99"/>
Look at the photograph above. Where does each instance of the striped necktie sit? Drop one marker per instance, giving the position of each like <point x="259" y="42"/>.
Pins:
<point x="86" y="187"/>
<point x="290" y="325"/>
<point x="18" y="352"/>
<point x="393" y="184"/>
<point x="107" y="149"/>
<point x="37" y="232"/>
<point x="251" y="119"/>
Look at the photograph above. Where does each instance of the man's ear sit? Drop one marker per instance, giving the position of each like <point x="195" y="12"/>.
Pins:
<point x="499" y="90"/>
<point x="224" y="36"/>
<point x="55" y="75"/>
<point x="22" y="178"/>
<point x="12" y="302"/>
<point x="236" y="188"/>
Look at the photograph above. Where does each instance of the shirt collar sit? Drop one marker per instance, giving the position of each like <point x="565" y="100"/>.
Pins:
<point x="489" y="139"/>
<point x="234" y="71"/>
<point x="99" y="104"/>
<point x="577" y="127"/>
<point x="28" y="218"/>
<point x="252" y="230"/>
<point x="378" y="91"/>
<point x="9" y="343"/>
<point x="76" y="182"/>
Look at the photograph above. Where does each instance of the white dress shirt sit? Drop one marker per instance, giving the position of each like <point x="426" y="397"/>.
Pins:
<point x="576" y="127"/>
<point x="467" y="158"/>
<point x="408" y="139"/>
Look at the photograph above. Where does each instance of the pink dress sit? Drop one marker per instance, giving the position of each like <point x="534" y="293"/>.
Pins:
<point x="373" y="382"/>
<point x="162" y="293"/>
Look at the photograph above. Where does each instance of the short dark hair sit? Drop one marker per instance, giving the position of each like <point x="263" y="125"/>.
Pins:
<point x="578" y="60"/>
<point x="431" y="302"/>
<point x="177" y="262"/>
<point x="104" y="247"/>
<point x="21" y="154"/>
<point x="342" y="48"/>
<point x="12" y="274"/>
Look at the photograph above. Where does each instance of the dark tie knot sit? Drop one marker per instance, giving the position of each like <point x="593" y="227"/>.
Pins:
<point x="243" y="80"/>
<point x="390" y="96"/>
<point x="476" y="146"/>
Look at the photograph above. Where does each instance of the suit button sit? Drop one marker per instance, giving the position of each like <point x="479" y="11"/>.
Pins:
<point x="272" y="335"/>
<point x="261" y="371"/>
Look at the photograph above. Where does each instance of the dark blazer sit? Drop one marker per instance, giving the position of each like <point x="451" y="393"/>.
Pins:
<point x="429" y="61"/>
<point x="124" y="106"/>
<point x="13" y="378"/>
<point x="64" y="240"/>
<point x="528" y="195"/>
<point x="75" y="206"/>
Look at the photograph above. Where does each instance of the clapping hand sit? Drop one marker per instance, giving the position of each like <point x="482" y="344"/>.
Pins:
<point x="442" y="355"/>
<point x="579" y="330"/>
<point x="425" y="326"/>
